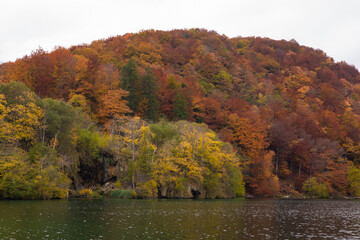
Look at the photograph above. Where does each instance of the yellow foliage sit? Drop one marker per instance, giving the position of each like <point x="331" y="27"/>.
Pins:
<point x="19" y="122"/>
<point x="85" y="192"/>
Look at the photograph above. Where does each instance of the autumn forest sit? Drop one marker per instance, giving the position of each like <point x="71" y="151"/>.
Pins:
<point x="179" y="114"/>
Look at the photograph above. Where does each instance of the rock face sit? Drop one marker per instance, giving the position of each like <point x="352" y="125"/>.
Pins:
<point x="189" y="191"/>
<point x="72" y="194"/>
<point x="107" y="188"/>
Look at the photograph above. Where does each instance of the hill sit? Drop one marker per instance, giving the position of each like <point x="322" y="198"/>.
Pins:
<point x="290" y="113"/>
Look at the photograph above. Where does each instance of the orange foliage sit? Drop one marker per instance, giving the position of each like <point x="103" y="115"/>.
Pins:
<point x="113" y="106"/>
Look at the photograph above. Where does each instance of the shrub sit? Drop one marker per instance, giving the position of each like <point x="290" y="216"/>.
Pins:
<point x="85" y="193"/>
<point x="213" y="186"/>
<point x="354" y="180"/>
<point x="118" y="185"/>
<point x="147" y="189"/>
<point x="120" y="193"/>
<point x="315" y="189"/>
<point x="237" y="182"/>
<point x="179" y="186"/>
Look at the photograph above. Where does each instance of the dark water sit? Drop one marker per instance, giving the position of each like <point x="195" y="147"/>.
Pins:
<point x="180" y="219"/>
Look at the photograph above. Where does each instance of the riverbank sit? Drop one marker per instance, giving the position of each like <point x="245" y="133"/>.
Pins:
<point x="110" y="190"/>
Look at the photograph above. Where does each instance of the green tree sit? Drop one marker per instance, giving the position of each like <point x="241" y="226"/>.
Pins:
<point x="180" y="107"/>
<point x="149" y="96"/>
<point x="315" y="189"/>
<point x="130" y="82"/>
<point x="354" y="180"/>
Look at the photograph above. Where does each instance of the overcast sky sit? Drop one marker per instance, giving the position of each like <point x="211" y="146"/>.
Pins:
<point x="329" y="25"/>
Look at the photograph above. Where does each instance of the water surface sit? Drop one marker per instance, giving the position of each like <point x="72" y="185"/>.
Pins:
<point x="180" y="219"/>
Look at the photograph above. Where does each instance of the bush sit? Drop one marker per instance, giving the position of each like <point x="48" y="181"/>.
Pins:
<point x="237" y="182"/>
<point x="127" y="194"/>
<point x="354" y="180"/>
<point x="213" y="187"/>
<point x="85" y="193"/>
<point x="147" y="190"/>
<point x="315" y="189"/>
<point x="118" y="185"/>
<point x="179" y="186"/>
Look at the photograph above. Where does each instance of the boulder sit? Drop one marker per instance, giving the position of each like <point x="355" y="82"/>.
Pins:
<point x="107" y="188"/>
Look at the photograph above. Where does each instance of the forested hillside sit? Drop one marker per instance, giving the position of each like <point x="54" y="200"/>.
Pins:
<point x="180" y="114"/>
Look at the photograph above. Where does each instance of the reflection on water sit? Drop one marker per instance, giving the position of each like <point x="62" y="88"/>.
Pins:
<point x="180" y="219"/>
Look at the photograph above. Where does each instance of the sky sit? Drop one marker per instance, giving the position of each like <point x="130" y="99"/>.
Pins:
<point x="329" y="25"/>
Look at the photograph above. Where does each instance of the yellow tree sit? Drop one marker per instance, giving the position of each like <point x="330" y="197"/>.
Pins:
<point x="198" y="161"/>
<point x="134" y="137"/>
<point x="20" y="122"/>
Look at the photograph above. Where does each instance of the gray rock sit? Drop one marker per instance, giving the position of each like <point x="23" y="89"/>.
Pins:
<point x="107" y="188"/>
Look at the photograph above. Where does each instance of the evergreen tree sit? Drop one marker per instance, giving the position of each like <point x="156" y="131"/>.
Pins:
<point x="149" y="96"/>
<point x="180" y="107"/>
<point x="130" y="82"/>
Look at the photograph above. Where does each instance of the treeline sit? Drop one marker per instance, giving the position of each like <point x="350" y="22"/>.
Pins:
<point x="290" y="112"/>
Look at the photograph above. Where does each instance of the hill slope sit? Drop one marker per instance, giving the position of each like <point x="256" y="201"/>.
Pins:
<point x="290" y="111"/>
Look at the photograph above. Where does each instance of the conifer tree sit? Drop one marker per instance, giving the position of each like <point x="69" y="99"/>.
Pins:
<point x="180" y="107"/>
<point x="130" y="82"/>
<point x="149" y="95"/>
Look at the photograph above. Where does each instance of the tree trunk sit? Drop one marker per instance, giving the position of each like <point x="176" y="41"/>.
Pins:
<point x="277" y="163"/>
<point x="105" y="168"/>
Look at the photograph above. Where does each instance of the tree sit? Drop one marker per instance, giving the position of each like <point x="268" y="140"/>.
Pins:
<point x="149" y="99"/>
<point x="133" y="136"/>
<point x="69" y="71"/>
<point x="130" y="82"/>
<point x="180" y="107"/>
<point x="113" y="106"/>
<point x="22" y="177"/>
<point x="19" y="114"/>
<point x="197" y="161"/>
<point x="41" y="71"/>
<point x="354" y="180"/>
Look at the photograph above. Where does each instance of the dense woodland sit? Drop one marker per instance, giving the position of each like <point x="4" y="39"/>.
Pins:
<point x="179" y="114"/>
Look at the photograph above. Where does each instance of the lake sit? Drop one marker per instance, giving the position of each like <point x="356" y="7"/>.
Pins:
<point x="180" y="219"/>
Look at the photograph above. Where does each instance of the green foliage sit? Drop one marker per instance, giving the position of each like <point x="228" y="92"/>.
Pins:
<point x="127" y="194"/>
<point x="17" y="93"/>
<point x="164" y="132"/>
<point x="149" y="102"/>
<point x="223" y="80"/>
<point x="60" y="119"/>
<point x="130" y="82"/>
<point x="315" y="189"/>
<point x="354" y="180"/>
<point x="179" y="185"/>
<point x="213" y="186"/>
<point x="180" y="107"/>
<point x="237" y="182"/>
<point x="90" y="143"/>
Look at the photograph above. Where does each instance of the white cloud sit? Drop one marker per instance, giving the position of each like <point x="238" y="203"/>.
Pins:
<point x="330" y="25"/>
